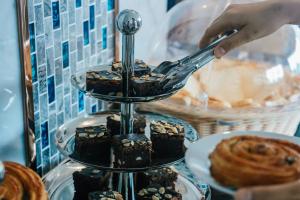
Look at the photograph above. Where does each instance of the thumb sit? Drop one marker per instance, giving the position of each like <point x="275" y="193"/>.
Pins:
<point x="236" y="40"/>
<point x="288" y="191"/>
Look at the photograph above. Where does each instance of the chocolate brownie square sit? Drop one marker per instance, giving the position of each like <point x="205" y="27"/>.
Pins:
<point x="88" y="180"/>
<point x="93" y="143"/>
<point x="114" y="124"/>
<point x="165" y="177"/>
<point x="140" y="68"/>
<point x="148" y="85"/>
<point x="132" y="151"/>
<point x="157" y="192"/>
<point x="167" y="139"/>
<point x="106" y="195"/>
<point x="103" y="82"/>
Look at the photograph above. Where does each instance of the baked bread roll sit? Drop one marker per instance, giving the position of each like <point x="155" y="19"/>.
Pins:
<point x="244" y="161"/>
<point x="20" y="181"/>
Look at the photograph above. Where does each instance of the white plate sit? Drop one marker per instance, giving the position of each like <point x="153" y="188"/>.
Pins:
<point x="197" y="156"/>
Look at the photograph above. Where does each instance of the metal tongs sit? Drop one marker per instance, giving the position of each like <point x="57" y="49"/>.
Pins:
<point x="177" y="73"/>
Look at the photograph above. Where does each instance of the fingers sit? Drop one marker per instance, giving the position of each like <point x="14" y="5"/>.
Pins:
<point x="243" y="36"/>
<point x="278" y="192"/>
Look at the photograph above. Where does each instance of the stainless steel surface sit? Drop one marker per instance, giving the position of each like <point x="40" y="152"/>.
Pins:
<point x="65" y="138"/>
<point x="25" y="60"/>
<point x="59" y="184"/>
<point x="2" y="172"/>
<point x="128" y="22"/>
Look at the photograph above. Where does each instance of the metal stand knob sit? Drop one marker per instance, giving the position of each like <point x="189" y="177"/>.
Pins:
<point x="128" y="23"/>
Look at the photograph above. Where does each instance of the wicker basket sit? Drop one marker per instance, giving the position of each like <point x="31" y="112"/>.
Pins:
<point x="207" y="123"/>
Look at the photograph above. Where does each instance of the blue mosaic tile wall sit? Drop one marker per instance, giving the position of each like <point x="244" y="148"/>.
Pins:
<point x="66" y="36"/>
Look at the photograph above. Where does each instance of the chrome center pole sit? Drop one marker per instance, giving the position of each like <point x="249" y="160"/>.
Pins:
<point x="128" y="23"/>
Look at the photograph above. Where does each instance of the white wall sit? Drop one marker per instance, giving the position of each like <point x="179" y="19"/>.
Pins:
<point x="11" y="110"/>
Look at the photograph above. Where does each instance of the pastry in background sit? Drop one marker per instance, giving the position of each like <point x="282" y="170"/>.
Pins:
<point x="21" y="183"/>
<point x="245" y="161"/>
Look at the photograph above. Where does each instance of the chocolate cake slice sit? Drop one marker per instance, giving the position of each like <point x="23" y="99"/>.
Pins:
<point x="88" y="180"/>
<point x="148" y="85"/>
<point x="167" y="139"/>
<point x="93" y="143"/>
<point x="157" y="192"/>
<point x="132" y="151"/>
<point x="140" y="68"/>
<point x="103" y="82"/>
<point x="106" y="195"/>
<point x="165" y="177"/>
<point x="114" y="124"/>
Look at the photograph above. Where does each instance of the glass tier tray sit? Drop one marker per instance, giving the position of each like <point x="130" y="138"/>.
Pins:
<point x="79" y="81"/>
<point x="65" y="138"/>
<point x="59" y="184"/>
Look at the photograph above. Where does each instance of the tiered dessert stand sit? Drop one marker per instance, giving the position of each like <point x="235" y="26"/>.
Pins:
<point x="59" y="181"/>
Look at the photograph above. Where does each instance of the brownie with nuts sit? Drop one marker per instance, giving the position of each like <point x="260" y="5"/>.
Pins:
<point x="93" y="143"/>
<point x="88" y="180"/>
<point x="114" y="124"/>
<point x="103" y="82"/>
<point x="105" y="195"/>
<point x="157" y="192"/>
<point x="165" y="177"/>
<point x="147" y="85"/>
<point x="140" y="68"/>
<point x="167" y="139"/>
<point x="132" y="151"/>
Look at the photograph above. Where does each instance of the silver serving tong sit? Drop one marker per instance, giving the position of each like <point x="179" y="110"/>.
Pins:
<point x="177" y="73"/>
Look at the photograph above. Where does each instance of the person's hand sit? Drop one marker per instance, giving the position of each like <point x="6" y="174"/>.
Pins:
<point x="290" y="191"/>
<point x="253" y="21"/>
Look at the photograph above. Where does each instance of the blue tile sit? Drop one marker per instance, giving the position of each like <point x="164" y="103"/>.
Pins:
<point x="52" y="108"/>
<point x="47" y="8"/>
<point x="30" y="11"/>
<point x="41" y="50"/>
<point x="59" y="99"/>
<point x="58" y="72"/>
<point x="33" y="68"/>
<point x="63" y="5"/>
<point x="72" y="37"/>
<point x="79" y="48"/>
<point x="65" y="53"/>
<point x="74" y="93"/>
<point x="32" y="37"/>
<point x="71" y="11"/>
<point x="35" y="91"/>
<point x="51" y="89"/>
<point x="93" y="43"/>
<point x="78" y="3"/>
<point x="55" y="15"/>
<point x="94" y="108"/>
<point x="57" y="43"/>
<point x="86" y="33"/>
<point x="38" y="152"/>
<point x="64" y="26"/>
<point x="80" y="101"/>
<point x="52" y="122"/>
<point x="39" y="170"/>
<point x="67" y="81"/>
<point x="98" y="7"/>
<point x="73" y="62"/>
<point x="45" y="138"/>
<point x="37" y="127"/>
<point x="44" y="107"/>
<point x="100" y="105"/>
<point x="92" y="17"/>
<point x="42" y="77"/>
<point x="39" y="20"/>
<point x="46" y="161"/>
<point x="60" y="119"/>
<point x="74" y="111"/>
<point x="68" y="113"/>
<point x="53" y="149"/>
<point x="104" y="37"/>
<point x="48" y="32"/>
<point x="110" y="5"/>
<point x="50" y="61"/>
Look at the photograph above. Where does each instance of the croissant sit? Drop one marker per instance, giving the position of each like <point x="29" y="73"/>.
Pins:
<point x="243" y="161"/>
<point x="21" y="181"/>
